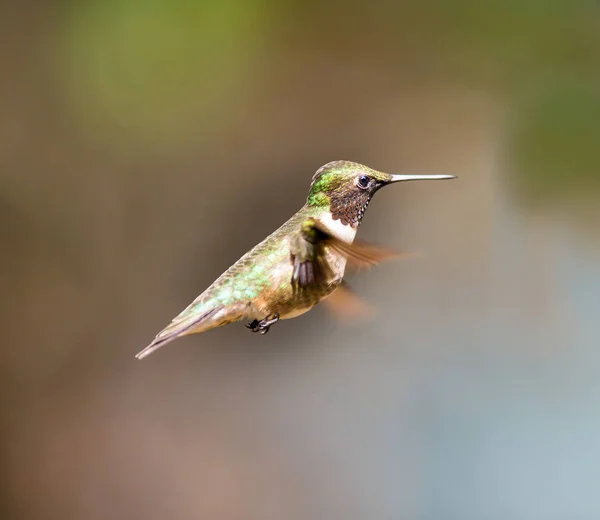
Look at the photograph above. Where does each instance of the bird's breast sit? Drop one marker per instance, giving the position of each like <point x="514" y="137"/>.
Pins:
<point x="344" y="232"/>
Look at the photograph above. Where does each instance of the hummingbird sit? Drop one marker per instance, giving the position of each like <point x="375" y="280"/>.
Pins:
<point x="298" y="265"/>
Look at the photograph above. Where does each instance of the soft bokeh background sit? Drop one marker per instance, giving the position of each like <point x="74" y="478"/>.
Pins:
<point x="145" y="145"/>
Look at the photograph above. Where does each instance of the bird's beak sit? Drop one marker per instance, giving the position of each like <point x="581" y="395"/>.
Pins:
<point x="400" y="178"/>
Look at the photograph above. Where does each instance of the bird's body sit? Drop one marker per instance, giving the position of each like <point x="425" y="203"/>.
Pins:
<point x="295" y="267"/>
<point x="259" y="283"/>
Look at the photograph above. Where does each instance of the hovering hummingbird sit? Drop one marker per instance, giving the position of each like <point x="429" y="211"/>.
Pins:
<point x="298" y="265"/>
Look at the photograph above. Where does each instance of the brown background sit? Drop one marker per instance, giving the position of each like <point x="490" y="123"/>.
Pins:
<point x="144" y="146"/>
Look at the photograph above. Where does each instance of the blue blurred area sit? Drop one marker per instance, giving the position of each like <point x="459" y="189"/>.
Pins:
<point x="144" y="146"/>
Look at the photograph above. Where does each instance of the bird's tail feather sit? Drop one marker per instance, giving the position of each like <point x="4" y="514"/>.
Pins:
<point x="178" y="327"/>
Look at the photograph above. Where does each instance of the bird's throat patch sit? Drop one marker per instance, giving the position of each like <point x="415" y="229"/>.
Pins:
<point x="349" y="208"/>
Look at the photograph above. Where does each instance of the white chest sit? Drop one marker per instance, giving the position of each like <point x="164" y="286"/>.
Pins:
<point x="344" y="232"/>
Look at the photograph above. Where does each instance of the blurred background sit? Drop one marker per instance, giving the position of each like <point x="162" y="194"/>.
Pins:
<point x="146" y="145"/>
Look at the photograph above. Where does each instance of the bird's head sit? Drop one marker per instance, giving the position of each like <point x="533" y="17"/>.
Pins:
<point x="346" y="188"/>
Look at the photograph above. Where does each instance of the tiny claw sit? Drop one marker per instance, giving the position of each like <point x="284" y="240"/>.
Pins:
<point x="253" y="325"/>
<point x="262" y="326"/>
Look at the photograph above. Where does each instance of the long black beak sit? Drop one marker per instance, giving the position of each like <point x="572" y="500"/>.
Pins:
<point x="400" y="178"/>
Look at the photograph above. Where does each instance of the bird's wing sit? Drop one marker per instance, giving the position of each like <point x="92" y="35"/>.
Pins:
<point x="346" y="305"/>
<point x="308" y="248"/>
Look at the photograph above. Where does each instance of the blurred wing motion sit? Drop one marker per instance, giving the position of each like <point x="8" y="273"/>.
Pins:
<point x="308" y="253"/>
<point x="346" y="305"/>
<point x="308" y="250"/>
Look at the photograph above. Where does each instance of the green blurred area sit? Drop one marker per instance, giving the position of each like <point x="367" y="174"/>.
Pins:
<point x="158" y="69"/>
<point x="162" y="74"/>
<point x="555" y="143"/>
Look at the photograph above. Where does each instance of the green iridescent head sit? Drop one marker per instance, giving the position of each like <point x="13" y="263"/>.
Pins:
<point x="346" y="188"/>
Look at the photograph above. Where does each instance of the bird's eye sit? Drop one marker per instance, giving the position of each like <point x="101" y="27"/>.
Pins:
<point x="363" y="181"/>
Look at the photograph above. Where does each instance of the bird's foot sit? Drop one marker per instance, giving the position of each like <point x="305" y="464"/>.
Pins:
<point x="263" y="326"/>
